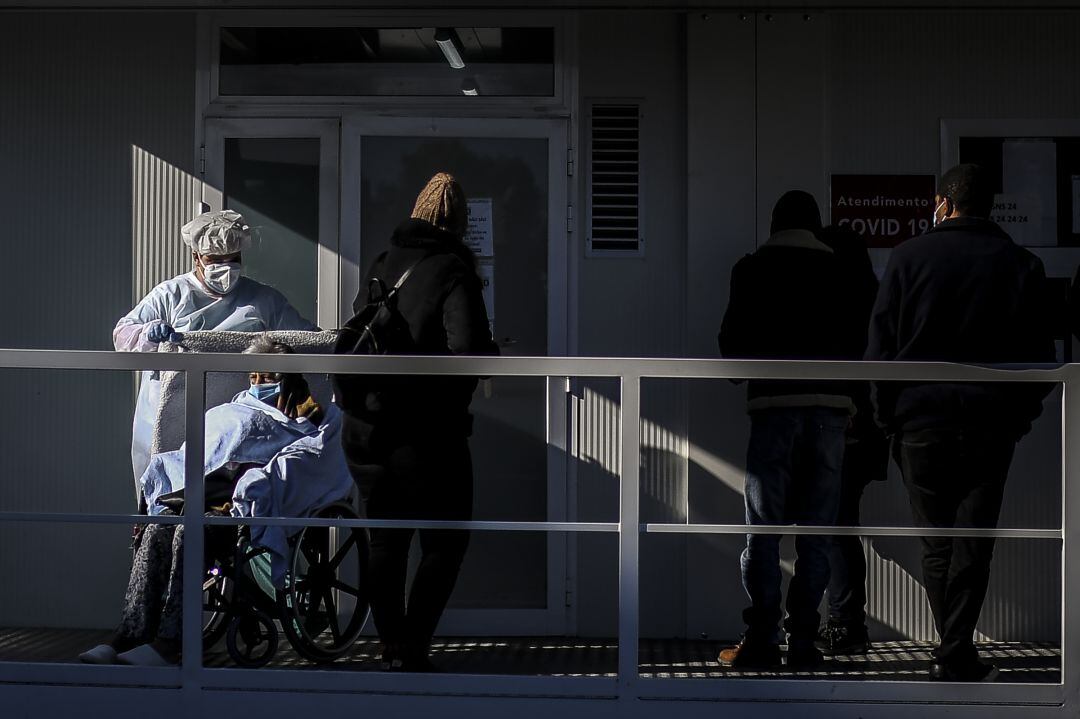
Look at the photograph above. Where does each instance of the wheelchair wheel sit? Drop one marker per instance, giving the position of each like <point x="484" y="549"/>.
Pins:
<point x="252" y="639"/>
<point x="217" y="603"/>
<point x="324" y="603"/>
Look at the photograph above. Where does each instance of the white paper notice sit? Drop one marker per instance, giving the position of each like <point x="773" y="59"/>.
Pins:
<point x="479" y="236"/>
<point x="486" y="269"/>
<point x="1021" y="217"/>
<point x="1029" y="191"/>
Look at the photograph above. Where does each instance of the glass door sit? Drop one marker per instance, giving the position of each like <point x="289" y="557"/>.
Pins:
<point x="282" y="176"/>
<point x="514" y="174"/>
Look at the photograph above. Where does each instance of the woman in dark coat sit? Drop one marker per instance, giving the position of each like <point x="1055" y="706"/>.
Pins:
<point x="411" y="458"/>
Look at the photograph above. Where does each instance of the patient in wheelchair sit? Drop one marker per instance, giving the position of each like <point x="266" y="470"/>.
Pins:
<point x="271" y="451"/>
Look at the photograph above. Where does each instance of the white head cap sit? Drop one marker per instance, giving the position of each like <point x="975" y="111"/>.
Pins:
<point x="222" y="232"/>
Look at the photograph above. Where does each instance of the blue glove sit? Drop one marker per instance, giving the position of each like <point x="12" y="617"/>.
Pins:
<point x="160" y="332"/>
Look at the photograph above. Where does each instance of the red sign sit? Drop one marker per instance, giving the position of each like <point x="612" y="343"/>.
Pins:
<point x="884" y="209"/>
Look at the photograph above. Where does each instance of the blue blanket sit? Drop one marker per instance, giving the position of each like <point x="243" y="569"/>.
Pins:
<point x="301" y="467"/>
<point x="305" y="476"/>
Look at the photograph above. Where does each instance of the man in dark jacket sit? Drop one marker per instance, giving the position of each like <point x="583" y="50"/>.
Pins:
<point x="963" y="292"/>
<point x="411" y="458"/>
<point x="788" y="301"/>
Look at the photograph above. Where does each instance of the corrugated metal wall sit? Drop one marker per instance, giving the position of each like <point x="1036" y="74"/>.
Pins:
<point x="83" y="96"/>
<point x="891" y="77"/>
<point x="881" y="83"/>
<point x="164" y="197"/>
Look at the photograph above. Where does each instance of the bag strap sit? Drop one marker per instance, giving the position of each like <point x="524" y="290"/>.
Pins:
<point x="406" y="273"/>
<point x="385" y="295"/>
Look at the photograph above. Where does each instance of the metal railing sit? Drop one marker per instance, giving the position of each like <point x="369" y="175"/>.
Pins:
<point x="191" y="676"/>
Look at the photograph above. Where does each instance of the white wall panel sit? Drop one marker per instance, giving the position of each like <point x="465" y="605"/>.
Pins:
<point x="722" y="219"/>
<point x="790" y="110"/>
<point x="83" y="97"/>
<point x="635" y="306"/>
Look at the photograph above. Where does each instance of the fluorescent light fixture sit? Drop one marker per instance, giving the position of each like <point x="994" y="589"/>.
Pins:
<point x="468" y="87"/>
<point x="451" y="46"/>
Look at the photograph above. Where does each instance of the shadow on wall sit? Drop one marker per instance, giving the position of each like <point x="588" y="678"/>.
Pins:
<point x="1023" y="602"/>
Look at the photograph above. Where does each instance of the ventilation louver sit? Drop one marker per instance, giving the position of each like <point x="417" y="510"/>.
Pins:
<point x="614" y="180"/>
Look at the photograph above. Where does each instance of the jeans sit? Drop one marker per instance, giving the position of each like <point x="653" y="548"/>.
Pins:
<point x="865" y="460"/>
<point x="793" y="477"/>
<point x="955" y="479"/>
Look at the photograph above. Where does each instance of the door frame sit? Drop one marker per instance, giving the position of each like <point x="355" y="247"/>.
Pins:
<point x="553" y="618"/>
<point x="1059" y="261"/>
<point x="328" y="132"/>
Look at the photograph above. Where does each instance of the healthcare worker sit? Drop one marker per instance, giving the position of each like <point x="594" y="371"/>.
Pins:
<point x="213" y="296"/>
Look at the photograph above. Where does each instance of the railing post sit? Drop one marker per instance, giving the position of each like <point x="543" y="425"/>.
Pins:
<point x="629" y="536"/>
<point x="194" y="437"/>
<point x="1070" y="522"/>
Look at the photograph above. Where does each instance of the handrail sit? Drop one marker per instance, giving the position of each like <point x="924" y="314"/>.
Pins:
<point x="689" y="368"/>
<point x="630" y="372"/>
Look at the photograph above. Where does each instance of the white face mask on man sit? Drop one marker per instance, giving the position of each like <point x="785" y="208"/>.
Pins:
<point x="936" y="221"/>
<point x="221" y="277"/>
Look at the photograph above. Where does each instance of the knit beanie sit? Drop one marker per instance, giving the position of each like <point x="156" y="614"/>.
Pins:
<point x="442" y="203"/>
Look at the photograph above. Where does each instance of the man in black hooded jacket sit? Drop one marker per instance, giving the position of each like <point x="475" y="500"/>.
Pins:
<point x="963" y="292"/>
<point x="790" y="300"/>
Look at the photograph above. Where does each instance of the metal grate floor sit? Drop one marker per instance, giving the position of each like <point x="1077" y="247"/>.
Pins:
<point x="1024" y="662"/>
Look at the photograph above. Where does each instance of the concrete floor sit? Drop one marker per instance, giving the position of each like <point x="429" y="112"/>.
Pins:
<point x="569" y="656"/>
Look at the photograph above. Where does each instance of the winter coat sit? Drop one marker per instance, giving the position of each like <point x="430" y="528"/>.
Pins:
<point x="790" y="300"/>
<point x="963" y="292"/>
<point x="442" y="302"/>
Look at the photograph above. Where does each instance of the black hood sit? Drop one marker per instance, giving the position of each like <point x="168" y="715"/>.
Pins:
<point x="421" y="234"/>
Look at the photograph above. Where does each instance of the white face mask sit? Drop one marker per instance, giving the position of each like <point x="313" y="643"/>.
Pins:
<point x="936" y="221"/>
<point x="221" y="277"/>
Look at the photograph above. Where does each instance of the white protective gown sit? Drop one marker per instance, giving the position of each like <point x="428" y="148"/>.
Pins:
<point x="187" y="306"/>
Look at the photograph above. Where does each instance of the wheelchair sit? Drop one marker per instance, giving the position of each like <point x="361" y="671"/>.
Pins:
<point x="323" y="605"/>
<point x="321" y="609"/>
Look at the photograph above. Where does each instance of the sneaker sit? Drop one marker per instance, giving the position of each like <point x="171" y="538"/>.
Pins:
<point x="804" y="656"/>
<point x="751" y="655"/>
<point x="974" y="671"/>
<point x="843" y="639"/>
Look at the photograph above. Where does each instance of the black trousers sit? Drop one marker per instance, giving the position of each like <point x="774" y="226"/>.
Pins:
<point x="422" y="479"/>
<point x="955" y="479"/>
<point x="865" y="460"/>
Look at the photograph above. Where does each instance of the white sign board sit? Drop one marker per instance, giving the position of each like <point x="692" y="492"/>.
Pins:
<point x="1027" y="206"/>
<point x="1022" y="217"/>
<point x="479" y="235"/>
